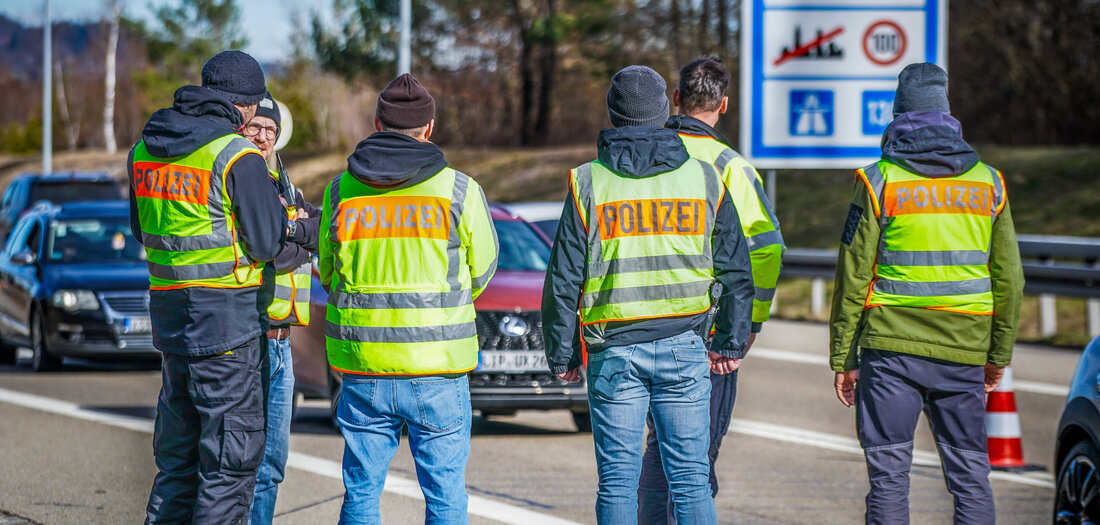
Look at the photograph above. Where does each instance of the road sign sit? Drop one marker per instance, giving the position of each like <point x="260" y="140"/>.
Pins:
<point x="818" y="76"/>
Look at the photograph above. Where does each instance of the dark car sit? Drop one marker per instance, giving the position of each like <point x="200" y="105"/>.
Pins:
<point x="26" y="190"/>
<point x="512" y="373"/>
<point x="1077" y="452"/>
<point x="74" y="283"/>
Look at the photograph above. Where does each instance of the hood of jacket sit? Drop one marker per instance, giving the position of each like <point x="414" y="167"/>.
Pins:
<point x="389" y="160"/>
<point x="928" y="143"/>
<point x="198" y="116"/>
<point x="641" y="151"/>
<point x="693" y="126"/>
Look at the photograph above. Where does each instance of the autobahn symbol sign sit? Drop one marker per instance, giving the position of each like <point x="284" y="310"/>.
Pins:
<point x="818" y="76"/>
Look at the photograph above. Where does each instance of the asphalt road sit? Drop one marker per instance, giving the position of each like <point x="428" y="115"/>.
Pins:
<point x="76" y="448"/>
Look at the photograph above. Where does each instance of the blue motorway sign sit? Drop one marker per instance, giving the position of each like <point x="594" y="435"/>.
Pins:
<point x="818" y="76"/>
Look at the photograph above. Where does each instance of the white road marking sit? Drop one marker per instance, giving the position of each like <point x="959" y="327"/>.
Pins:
<point x="1033" y="387"/>
<point x="478" y="505"/>
<point x="851" y="445"/>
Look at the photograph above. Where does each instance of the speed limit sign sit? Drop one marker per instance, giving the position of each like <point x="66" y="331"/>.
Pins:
<point x="884" y="42"/>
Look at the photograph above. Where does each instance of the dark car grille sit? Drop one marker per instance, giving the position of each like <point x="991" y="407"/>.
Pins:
<point x="490" y="337"/>
<point x="128" y="304"/>
<point x="515" y="380"/>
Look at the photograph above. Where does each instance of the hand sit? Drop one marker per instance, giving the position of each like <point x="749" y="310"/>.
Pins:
<point x="571" y="376"/>
<point x="993" y="375"/>
<point x="845" y="384"/>
<point x="301" y="214"/>
<point x="722" y="365"/>
<point x="752" y="339"/>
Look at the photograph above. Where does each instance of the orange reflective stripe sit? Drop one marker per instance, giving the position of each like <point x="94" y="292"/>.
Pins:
<point x="874" y="197"/>
<point x="651" y="217"/>
<point x="394" y="216"/>
<point x="938" y="196"/>
<point x="162" y="180"/>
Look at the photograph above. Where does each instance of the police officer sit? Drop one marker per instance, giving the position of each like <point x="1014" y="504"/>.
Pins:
<point x="289" y="307"/>
<point x="644" y="234"/>
<point x="701" y="98"/>
<point x="928" y="288"/>
<point x="208" y="215"/>
<point x="408" y="244"/>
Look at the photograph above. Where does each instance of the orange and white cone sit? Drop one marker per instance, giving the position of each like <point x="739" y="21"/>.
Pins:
<point x="1002" y="426"/>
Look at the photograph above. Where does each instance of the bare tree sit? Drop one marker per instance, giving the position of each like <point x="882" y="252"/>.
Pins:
<point x="115" y="7"/>
<point x="72" y="129"/>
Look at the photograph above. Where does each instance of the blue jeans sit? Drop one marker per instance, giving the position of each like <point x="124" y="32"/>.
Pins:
<point x="670" y="379"/>
<point x="371" y="412"/>
<point x="280" y="401"/>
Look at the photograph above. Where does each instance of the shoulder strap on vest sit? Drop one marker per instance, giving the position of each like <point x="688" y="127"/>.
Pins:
<point x="998" y="191"/>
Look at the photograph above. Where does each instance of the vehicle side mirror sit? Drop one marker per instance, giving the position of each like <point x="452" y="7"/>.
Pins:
<point x="23" y="258"/>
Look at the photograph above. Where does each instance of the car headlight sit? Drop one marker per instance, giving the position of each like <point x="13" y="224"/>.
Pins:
<point x="75" y="300"/>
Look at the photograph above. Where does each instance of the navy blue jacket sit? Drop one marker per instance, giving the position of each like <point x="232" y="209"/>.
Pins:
<point x="204" y="321"/>
<point x="642" y="152"/>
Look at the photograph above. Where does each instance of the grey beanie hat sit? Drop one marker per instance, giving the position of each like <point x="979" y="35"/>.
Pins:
<point x="236" y="76"/>
<point x="268" y="108"/>
<point x="637" y="98"/>
<point x="921" y="87"/>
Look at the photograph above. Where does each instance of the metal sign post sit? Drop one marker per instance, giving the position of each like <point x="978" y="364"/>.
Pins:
<point x="47" y="89"/>
<point x="818" y="76"/>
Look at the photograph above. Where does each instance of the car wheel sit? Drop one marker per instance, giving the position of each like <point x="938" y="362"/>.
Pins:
<point x="1077" y="496"/>
<point x="334" y="397"/>
<point x="41" y="359"/>
<point x="583" y="420"/>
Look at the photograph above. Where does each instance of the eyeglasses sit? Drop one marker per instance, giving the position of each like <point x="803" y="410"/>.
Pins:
<point x="251" y="130"/>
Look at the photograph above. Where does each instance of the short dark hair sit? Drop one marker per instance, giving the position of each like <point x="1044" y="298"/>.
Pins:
<point x="703" y="85"/>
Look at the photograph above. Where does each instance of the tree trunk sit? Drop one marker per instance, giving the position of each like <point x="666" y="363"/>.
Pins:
<point x="724" y="29"/>
<point x="526" y="75"/>
<point x="109" y="80"/>
<point x="674" y="16"/>
<point x="71" y="129"/>
<point x="548" y="67"/>
<point x="704" y="28"/>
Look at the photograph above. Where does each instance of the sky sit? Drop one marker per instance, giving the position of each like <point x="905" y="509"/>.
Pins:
<point x="265" y="23"/>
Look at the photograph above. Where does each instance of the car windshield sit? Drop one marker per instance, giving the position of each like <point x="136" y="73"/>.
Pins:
<point x="93" y="241"/>
<point x="61" y="192"/>
<point x="521" y="249"/>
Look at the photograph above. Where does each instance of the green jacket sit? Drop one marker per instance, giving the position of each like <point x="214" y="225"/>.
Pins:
<point x="950" y="336"/>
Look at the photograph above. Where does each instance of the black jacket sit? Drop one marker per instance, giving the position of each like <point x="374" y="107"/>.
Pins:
<point x="203" y="321"/>
<point x="641" y="152"/>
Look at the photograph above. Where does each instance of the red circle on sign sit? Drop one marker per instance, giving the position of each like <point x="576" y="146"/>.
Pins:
<point x="900" y="45"/>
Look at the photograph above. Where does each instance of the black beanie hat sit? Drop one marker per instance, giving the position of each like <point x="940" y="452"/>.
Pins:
<point x="921" y="87"/>
<point x="405" y="104"/>
<point x="236" y="76"/>
<point x="268" y="108"/>
<point x="637" y="98"/>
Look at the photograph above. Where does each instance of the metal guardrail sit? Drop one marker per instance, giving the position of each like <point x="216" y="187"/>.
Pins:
<point x="1055" y="265"/>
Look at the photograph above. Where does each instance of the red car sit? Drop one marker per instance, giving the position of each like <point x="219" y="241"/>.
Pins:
<point x="512" y="373"/>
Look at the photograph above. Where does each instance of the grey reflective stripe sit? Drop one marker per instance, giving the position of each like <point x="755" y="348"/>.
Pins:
<point x="480" y="281"/>
<point x="878" y="186"/>
<point x="932" y="258"/>
<point x="400" y="300"/>
<point x="763" y="240"/>
<point x="724" y="159"/>
<point x="933" y="288"/>
<point x="458" y="198"/>
<point x="998" y="190"/>
<point x="764" y="294"/>
<point x="334" y="232"/>
<point x="762" y="196"/>
<point x="283" y="292"/>
<point x="662" y="292"/>
<point x="650" y="263"/>
<point x="219" y="238"/>
<point x="191" y="272"/>
<point x="713" y="182"/>
<point x="401" y="334"/>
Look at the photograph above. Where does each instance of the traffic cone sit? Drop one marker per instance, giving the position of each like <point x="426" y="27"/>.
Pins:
<point x="1002" y="426"/>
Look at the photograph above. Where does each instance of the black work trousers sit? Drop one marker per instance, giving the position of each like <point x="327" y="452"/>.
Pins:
<point x="209" y="436"/>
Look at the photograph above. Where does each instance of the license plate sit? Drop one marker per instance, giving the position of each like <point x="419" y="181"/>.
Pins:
<point x="137" y="325"/>
<point x="512" y="361"/>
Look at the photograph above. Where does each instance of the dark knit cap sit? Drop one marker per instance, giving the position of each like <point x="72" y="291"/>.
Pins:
<point x="268" y="108"/>
<point x="236" y="76"/>
<point x="405" y="104"/>
<point x="637" y="98"/>
<point x="921" y="87"/>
